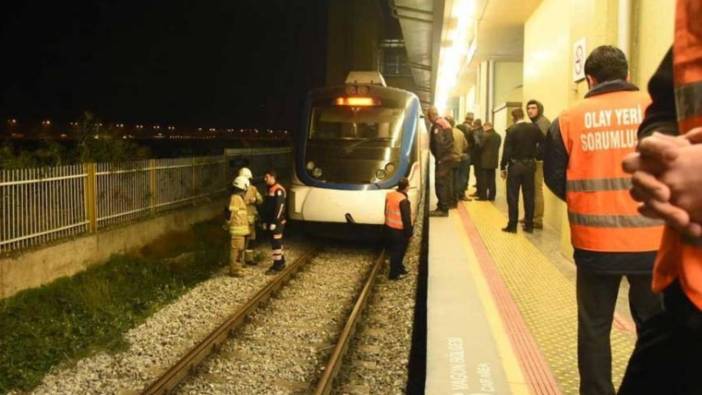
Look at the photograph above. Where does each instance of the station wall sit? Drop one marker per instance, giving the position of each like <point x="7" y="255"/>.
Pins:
<point x="549" y="35"/>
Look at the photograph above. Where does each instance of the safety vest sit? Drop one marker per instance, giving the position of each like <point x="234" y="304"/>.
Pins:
<point x="239" y="219"/>
<point x="679" y="257"/>
<point x="393" y="215"/>
<point x="598" y="133"/>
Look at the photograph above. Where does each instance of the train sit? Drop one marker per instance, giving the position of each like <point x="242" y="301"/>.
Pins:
<point x="356" y="142"/>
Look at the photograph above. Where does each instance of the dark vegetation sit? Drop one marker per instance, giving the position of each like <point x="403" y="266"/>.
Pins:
<point x="90" y="312"/>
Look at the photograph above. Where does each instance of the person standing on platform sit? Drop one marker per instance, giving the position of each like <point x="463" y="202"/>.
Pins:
<point x="253" y="199"/>
<point x="441" y="146"/>
<point x="518" y="163"/>
<point x="666" y="178"/>
<point x="274" y="219"/>
<point x="582" y="165"/>
<point x="460" y="153"/>
<point x="535" y="111"/>
<point x="398" y="227"/>
<point x="238" y="225"/>
<point x="489" y="158"/>
<point x="466" y="127"/>
<point x="477" y="134"/>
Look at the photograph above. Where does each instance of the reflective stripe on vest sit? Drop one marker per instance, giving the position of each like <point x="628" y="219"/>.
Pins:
<point x="598" y="133"/>
<point x="679" y="258"/>
<point x="393" y="215"/>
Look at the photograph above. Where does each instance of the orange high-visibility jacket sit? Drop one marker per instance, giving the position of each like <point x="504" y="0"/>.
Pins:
<point x="679" y="257"/>
<point x="393" y="215"/>
<point x="598" y="133"/>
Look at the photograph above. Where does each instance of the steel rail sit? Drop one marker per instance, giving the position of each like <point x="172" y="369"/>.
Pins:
<point x="173" y="376"/>
<point x="325" y="383"/>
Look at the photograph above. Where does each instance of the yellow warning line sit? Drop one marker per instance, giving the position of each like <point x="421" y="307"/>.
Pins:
<point x="509" y="359"/>
<point x="545" y="297"/>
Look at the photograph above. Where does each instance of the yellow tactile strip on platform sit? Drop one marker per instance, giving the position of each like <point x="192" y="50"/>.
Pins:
<point x="546" y="299"/>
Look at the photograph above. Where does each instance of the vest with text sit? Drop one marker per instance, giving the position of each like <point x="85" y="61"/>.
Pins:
<point x="598" y="133"/>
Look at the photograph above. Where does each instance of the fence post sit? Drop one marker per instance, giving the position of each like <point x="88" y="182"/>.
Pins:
<point x="153" y="186"/>
<point x="90" y="192"/>
<point x="194" y="189"/>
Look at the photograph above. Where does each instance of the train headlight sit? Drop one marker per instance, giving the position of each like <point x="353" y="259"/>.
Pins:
<point x="310" y="166"/>
<point x="390" y="168"/>
<point x="380" y="174"/>
<point x="317" y="172"/>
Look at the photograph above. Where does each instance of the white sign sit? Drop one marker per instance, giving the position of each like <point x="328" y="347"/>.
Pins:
<point x="579" y="56"/>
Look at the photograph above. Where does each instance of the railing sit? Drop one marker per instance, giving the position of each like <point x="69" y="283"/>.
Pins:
<point x="42" y="205"/>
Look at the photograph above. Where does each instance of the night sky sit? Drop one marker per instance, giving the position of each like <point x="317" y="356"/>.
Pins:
<point x="206" y="63"/>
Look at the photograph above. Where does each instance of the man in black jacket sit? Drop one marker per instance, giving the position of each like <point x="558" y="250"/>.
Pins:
<point x="518" y="165"/>
<point x="609" y="241"/>
<point x="467" y="128"/>
<point x="489" y="158"/>
<point x="441" y="146"/>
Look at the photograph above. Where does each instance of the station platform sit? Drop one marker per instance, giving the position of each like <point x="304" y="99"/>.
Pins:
<point x="501" y="312"/>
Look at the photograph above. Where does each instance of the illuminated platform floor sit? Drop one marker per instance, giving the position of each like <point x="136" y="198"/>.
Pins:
<point x="501" y="313"/>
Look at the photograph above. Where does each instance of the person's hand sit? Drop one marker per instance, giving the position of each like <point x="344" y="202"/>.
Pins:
<point x="273" y="227"/>
<point x="665" y="173"/>
<point x="264" y="226"/>
<point x="503" y="174"/>
<point x="651" y="151"/>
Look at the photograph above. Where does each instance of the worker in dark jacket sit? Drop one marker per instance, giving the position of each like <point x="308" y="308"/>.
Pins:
<point x="522" y="144"/>
<point x="535" y="111"/>
<point x="489" y="158"/>
<point x="476" y="138"/>
<point x="582" y="166"/>
<point x="398" y="227"/>
<point x="441" y="146"/>
<point x="466" y="127"/>
<point x="274" y="219"/>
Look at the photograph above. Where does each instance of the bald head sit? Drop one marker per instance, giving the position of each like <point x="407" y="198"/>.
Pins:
<point x="432" y="113"/>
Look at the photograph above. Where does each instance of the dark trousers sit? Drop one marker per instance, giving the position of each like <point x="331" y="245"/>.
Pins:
<point x="442" y="184"/>
<point x="277" y="247"/>
<point x="520" y="175"/>
<point x="486" y="188"/>
<point x="460" y="179"/>
<point x="596" y="297"/>
<point x="478" y="175"/>
<point x="397" y="246"/>
<point x="666" y="359"/>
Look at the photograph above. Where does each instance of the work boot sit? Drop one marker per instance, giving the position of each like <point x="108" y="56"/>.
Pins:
<point x="510" y="229"/>
<point x="438" y="213"/>
<point x="249" y="258"/>
<point x="276" y="268"/>
<point x="236" y="273"/>
<point x="538" y="225"/>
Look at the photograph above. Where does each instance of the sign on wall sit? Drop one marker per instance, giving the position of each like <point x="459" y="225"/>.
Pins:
<point x="579" y="56"/>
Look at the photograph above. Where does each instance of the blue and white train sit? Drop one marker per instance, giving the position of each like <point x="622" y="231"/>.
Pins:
<point x="358" y="140"/>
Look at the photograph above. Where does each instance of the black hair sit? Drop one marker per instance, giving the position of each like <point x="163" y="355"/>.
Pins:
<point x="606" y="63"/>
<point x="402" y="184"/>
<point x="533" y="102"/>
<point x="272" y="173"/>
<point x="478" y="122"/>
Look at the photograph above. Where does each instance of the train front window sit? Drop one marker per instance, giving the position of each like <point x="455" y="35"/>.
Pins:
<point x="357" y="124"/>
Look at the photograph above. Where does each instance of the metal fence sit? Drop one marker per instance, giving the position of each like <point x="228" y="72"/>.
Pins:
<point x="42" y="205"/>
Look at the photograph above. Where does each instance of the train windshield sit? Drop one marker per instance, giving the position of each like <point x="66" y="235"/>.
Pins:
<point x="357" y="125"/>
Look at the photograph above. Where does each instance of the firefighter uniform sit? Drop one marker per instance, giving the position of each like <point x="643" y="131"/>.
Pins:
<point x="398" y="228"/>
<point x="582" y="165"/>
<point x="253" y="199"/>
<point x="274" y="221"/>
<point x="666" y="356"/>
<point x="238" y="229"/>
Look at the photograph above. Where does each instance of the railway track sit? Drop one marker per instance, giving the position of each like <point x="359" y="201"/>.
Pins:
<point x="196" y="373"/>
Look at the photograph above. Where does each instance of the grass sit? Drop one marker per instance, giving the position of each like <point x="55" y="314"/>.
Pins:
<point x="90" y="312"/>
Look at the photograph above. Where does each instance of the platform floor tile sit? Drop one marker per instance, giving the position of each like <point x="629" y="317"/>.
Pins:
<point x="544" y="296"/>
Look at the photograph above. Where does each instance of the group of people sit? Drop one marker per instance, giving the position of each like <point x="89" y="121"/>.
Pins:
<point x="627" y="165"/>
<point x="456" y="148"/>
<point x="244" y="218"/>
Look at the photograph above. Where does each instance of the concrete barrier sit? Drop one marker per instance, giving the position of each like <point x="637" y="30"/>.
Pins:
<point x="34" y="268"/>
